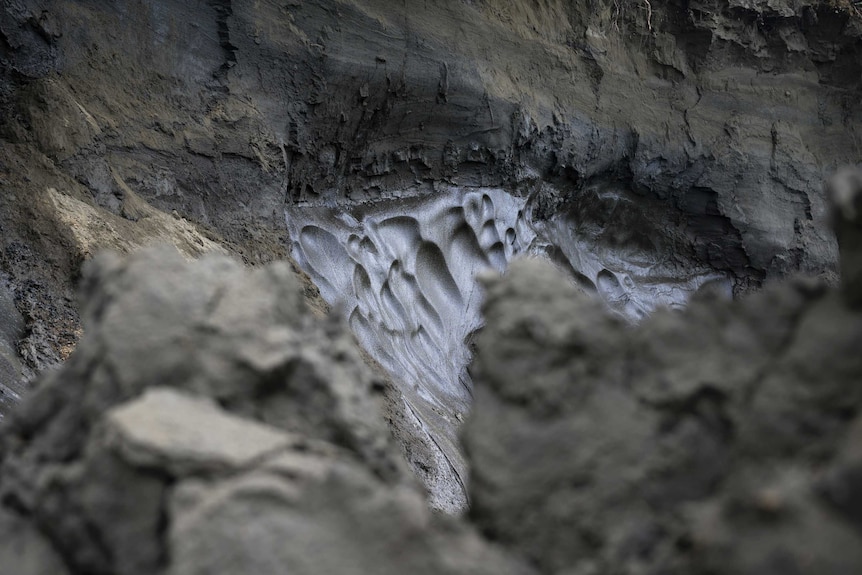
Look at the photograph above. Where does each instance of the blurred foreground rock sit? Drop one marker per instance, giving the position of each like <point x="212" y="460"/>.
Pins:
<point x="712" y="441"/>
<point x="208" y="424"/>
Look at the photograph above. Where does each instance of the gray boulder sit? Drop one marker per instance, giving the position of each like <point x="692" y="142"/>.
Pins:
<point x="601" y="447"/>
<point x="208" y="423"/>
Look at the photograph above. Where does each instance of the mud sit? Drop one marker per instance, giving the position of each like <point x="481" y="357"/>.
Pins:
<point x="726" y="116"/>
<point x="655" y="153"/>
<point x="208" y="423"/>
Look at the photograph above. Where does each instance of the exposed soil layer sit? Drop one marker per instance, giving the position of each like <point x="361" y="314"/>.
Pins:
<point x="208" y="423"/>
<point x="726" y="115"/>
<point x="708" y="441"/>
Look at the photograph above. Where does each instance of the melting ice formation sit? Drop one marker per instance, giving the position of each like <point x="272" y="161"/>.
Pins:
<point x="404" y="273"/>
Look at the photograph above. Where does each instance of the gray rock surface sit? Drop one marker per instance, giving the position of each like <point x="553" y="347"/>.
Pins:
<point x="708" y="441"/>
<point x="208" y="423"/>
<point x="24" y="550"/>
<point x="719" y="121"/>
<point x="695" y="442"/>
<point x="648" y="142"/>
<point x="186" y="436"/>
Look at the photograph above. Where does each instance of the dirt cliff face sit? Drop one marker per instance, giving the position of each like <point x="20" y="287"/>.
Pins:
<point x="688" y="139"/>
<point x="207" y="423"/>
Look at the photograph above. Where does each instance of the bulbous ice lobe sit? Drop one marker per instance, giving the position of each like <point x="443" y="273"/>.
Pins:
<point x="404" y="274"/>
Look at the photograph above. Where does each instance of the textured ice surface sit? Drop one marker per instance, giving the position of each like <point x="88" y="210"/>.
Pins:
<point x="404" y="274"/>
<point x="632" y="265"/>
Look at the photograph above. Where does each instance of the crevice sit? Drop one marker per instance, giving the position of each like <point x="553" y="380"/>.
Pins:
<point x="224" y="11"/>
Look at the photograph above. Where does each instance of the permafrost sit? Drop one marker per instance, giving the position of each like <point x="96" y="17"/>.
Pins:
<point x="403" y="272"/>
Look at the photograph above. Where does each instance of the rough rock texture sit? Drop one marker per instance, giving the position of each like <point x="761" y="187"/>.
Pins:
<point x="720" y="439"/>
<point x="717" y="119"/>
<point x="208" y="424"/>
<point x="689" y="135"/>
<point x="11" y="331"/>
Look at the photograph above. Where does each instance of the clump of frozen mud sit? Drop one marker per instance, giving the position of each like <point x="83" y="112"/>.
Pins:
<point x="720" y="439"/>
<point x="207" y="423"/>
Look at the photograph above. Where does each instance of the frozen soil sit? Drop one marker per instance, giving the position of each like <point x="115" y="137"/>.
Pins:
<point x="678" y="139"/>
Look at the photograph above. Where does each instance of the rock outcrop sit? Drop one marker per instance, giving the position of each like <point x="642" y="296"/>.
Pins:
<point x="714" y="122"/>
<point x="656" y="141"/>
<point x="720" y="439"/>
<point x="207" y="423"/>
